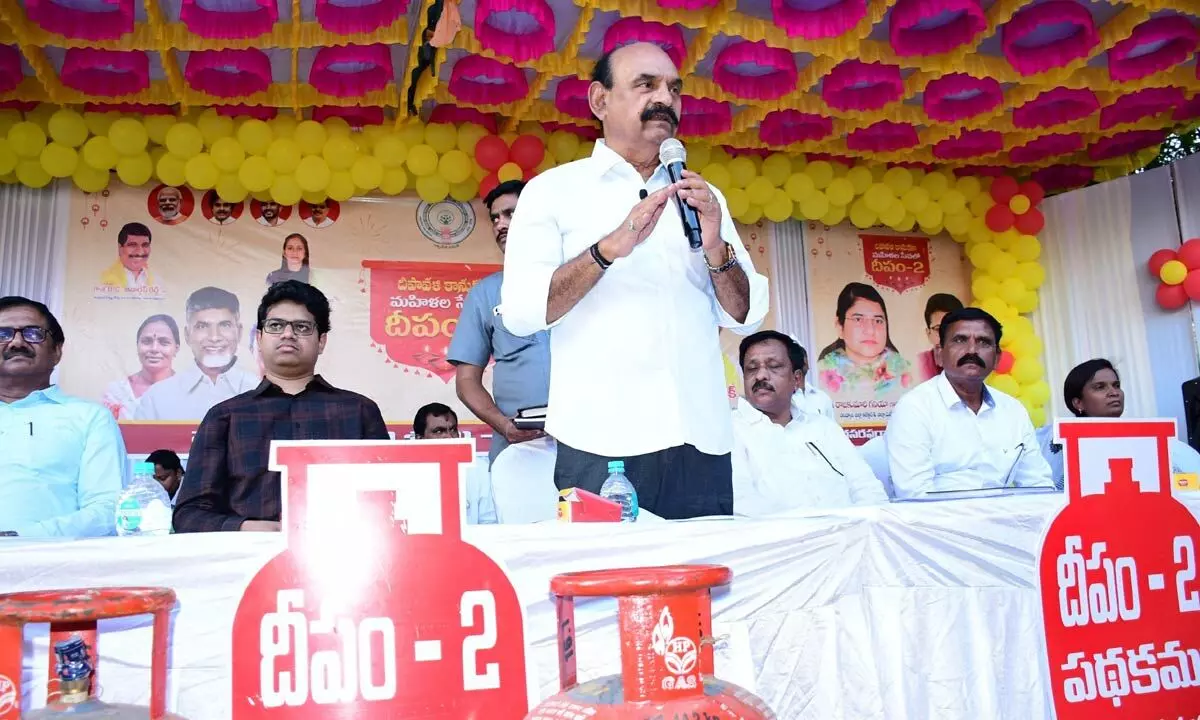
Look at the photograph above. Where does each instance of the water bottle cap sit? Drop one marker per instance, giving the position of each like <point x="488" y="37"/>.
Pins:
<point x="616" y="466"/>
<point x="143" y="467"/>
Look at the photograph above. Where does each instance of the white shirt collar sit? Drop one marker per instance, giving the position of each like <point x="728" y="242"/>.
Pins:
<point x="950" y="397"/>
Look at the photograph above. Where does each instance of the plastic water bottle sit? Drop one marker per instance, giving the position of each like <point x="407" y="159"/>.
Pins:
<point x="618" y="489"/>
<point x="143" y="508"/>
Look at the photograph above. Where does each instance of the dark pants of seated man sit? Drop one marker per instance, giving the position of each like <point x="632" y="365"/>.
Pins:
<point x="676" y="483"/>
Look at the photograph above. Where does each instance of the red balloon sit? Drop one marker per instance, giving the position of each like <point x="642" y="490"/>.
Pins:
<point x="1034" y="191"/>
<point x="999" y="218"/>
<point x="1158" y="259"/>
<point x="1003" y="189"/>
<point x="1171" y="297"/>
<point x="488" y="183"/>
<point x="528" y="151"/>
<point x="1191" y="285"/>
<point x="1006" y="363"/>
<point x="1031" y="223"/>
<point x="1189" y="254"/>
<point x="491" y="152"/>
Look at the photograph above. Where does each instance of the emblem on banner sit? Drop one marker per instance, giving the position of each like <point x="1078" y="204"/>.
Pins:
<point x="1118" y="577"/>
<point x="899" y="263"/>
<point x="446" y="223"/>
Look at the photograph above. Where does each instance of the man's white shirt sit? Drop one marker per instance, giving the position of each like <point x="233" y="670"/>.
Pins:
<point x="812" y="400"/>
<point x="936" y="443"/>
<point x="637" y="364"/>
<point x="135" y="279"/>
<point x="810" y="463"/>
<point x="190" y="394"/>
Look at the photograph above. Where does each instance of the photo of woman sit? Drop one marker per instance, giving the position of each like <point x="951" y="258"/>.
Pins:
<point x="157" y="345"/>
<point x="863" y="361"/>
<point x="293" y="264"/>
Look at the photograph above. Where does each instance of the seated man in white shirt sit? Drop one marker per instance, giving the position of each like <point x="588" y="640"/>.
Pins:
<point x="784" y="457"/>
<point x="952" y="432"/>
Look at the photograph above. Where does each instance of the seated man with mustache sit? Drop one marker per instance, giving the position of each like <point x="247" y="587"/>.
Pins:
<point x="786" y="457"/>
<point x="952" y="432"/>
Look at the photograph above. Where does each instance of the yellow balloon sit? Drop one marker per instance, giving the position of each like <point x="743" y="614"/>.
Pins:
<point x="1032" y="274"/>
<point x="395" y="181"/>
<point x="877" y="198"/>
<point x="699" y="156"/>
<point x="171" y="170"/>
<point x="8" y="158"/>
<point x="1022" y="327"/>
<point x="99" y="123"/>
<point x="311" y="137"/>
<point x="508" y="171"/>
<point x="283" y="125"/>
<point x="930" y="218"/>
<point x="135" y="170"/>
<point x="255" y="137"/>
<point x="799" y="186"/>
<point x="1027" y="370"/>
<point x="738" y="201"/>
<point x="980" y="204"/>
<point x="979" y="232"/>
<point x="752" y="215"/>
<point x="59" y="160"/>
<point x="779" y="208"/>
<point x="898" y="179"/>
<point x="1019" y="204"/>
<point x="1027" y="248"/>
<point x="32" y="174"/>
<point x="312" y="174"/>
<point x="455" y="167"/>
<point x="835" y="215"/>
<point x="982" y="254"/>
<point x="969" y="186"/>
<point x="1005" y="240"/>
<point x="67" y="127"/>
<point x="893" y="215"/>
<point x="422" y="161"/>
<point x="936" y="184"/>
<point x="815" y="206"/>
<point x="564" y="145"/>
<point x="860" y="178"/>
<point x="916" y="200"/>
<point x="284" y="156"/>
<point x="128" y="136"/>
<point x="742" y="171"/>
<point x="201" y="172"/>
<point x="341" y="185"/>
<point x="339" y="152"/>
<point x="184" y="140"/>
<point x="256" y="174"/>
<point x="336" y="127"/>
<point x="27" y="140"/>
<point x="953" y="202"/>
<point x="958" y="225"/>
<point x="907" y="224"/>
<point x="285" y="190"/>
<point x="213" y="126"/>
<point x="413" y="133"/>
<point x="718" y="176"/>
<point x="100" y="154"/>
<point x="820" y="172"/>
<point x="984" y="287"/>
<point x="469" y="136"/>
<point x="1002" y="266"/>
<point x="997" y="308"/>
<point x="861" y="214"/>
<point x="432" y="188"/>
<point x="719" y="156"/>
<point x="1012" y="290"/>
<point x="157" y="127"/>
<point x="231" y="189"/>
<point x="390" y="150"/>
<point x="466" y="191"/>
<point x="367" y="172"/>
<point x="840" y="191"/>
<point x="227" y="154"/>
<point x="1037" y="417"/>
<point x="90" y="179"/>
<point x="1173" y="272"/>
<point x="1004" y="383"/>
<point x="1028" y="302"/>
<point x="776" y="168"/>
<point x="442" y="137"/>
<point x="760" y="190"/>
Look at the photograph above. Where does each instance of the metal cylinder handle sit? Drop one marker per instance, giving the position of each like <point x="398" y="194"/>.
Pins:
<point x="621" y="582"/>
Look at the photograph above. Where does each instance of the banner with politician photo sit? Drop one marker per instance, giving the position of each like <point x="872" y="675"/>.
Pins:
<point x="876" y="301"/>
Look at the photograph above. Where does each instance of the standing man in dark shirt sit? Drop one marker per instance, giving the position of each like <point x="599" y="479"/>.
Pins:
<point x="227" y="485"/>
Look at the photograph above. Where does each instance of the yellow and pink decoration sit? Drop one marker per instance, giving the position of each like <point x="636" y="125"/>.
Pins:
<point x="1179" y="274"/>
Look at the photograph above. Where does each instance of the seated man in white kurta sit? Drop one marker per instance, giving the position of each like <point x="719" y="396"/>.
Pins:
<point x="786" y="457"/>
<point x="953" y="432"/>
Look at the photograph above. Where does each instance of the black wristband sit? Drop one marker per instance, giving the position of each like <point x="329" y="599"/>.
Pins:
<point x="595" y="251"/>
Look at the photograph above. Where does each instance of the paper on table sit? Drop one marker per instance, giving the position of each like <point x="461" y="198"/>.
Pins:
<point x="731" y="654"/>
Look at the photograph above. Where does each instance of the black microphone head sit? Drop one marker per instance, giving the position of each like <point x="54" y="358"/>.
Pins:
<point x="672" y="151"/>
<point x="643" y="193"/>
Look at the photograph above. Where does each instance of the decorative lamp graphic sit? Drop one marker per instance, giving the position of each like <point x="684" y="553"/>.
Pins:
<point x="664" y="617"/>
<point x="1118" y="578"/>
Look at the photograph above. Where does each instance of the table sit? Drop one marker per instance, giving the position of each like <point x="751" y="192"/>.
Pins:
<point x="926" y="610"/>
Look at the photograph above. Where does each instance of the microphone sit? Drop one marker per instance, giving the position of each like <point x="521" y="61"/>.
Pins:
<point x="642" y="194"/>
<point x="672" y="155"/>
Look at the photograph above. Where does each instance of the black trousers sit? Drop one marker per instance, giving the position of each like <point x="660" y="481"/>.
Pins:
<point x="675" y="484"/>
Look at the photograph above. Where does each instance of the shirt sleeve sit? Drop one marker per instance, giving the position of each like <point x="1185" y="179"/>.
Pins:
<point x="865" y="488"/>
<point x="759" y="291"/>
<point x="472" y="341"/>
<point x="203" y="501"/>
<point x="533" y="252"/>
<point x="373" y="426"/>
<point x="101" y="478"/>
<point x="910" y="449"/>
<point x="1032" y="470"/>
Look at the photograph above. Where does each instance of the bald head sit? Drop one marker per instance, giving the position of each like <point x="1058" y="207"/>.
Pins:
<point x="635" y="93"/>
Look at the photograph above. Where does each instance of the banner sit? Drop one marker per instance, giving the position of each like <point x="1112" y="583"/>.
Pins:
<point x="870" y="294"/>
<point x="393" y="269"/>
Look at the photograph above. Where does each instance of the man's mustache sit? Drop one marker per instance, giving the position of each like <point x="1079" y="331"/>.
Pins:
<point x="762" y="385"/>
<point x="973" y="359"/>
<point x="11" y="353"/>
<point x="658" y="111"/>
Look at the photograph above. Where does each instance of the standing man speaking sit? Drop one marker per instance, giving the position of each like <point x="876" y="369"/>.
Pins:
<point x="597" y="251"/>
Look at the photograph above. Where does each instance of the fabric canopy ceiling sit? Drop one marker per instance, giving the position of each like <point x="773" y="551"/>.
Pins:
<point x="1074" y="88"/>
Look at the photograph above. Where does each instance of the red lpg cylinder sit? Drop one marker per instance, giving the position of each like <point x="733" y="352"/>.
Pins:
<point x="665" y="622"/>
<point x="73" y="615"/>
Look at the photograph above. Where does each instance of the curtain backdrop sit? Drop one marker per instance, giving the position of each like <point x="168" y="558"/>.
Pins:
<point x="1187" y="199"/>
<point x="1098" y="300"/>
<point x="33" y="241"/>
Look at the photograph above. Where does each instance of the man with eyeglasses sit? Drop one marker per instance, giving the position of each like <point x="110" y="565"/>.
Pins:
<point x="784" y="456"/>
<point x="953" y="432"/>
<point x="62" y="460"/>
<point x="227" y="485"/>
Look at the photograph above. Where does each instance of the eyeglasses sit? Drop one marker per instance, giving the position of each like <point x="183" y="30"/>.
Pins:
<point x="275" y="326"/>
<point x="32" y="334"/>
